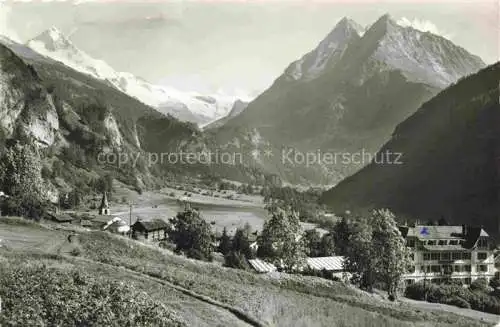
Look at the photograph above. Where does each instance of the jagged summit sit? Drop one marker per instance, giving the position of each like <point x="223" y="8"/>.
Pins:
<point x="382" y="26"/>
<point x="422" y="57"/>
<point x="53" y="40"/>
<point x="327" y="52"/>
<point x="345" y="28"/>
<point x="348" y="24"/>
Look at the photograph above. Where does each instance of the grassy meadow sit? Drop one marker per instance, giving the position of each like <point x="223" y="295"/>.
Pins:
<point x="206" y="294"/>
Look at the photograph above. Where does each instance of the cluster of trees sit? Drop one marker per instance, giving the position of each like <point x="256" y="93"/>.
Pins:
<point x="75" y="197"/>
<point x="281" y="242"/>
<point x="373" y="246"/>
<point x="479" y="296"/>
<point x="374" y="249"/>
<point x="306" y="203"/>
<point x="317" y="245"/>
<point x="192" y="235"/>
<point x="26" y="180"/>
<point x="21" y="176"/>
<point x="236" y="249"/>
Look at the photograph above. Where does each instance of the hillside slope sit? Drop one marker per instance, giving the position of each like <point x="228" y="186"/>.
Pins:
<point x="345" y="96"/>
<point x="206" y="294"/>
<point x="450" y="160"/>
<point x="77" y="121"/>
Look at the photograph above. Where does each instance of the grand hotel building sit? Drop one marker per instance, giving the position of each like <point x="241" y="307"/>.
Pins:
<point x="443" y="252"/>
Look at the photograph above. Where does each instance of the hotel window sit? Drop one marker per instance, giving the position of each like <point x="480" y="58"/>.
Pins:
<point x="445" y="256"/>
<point x="467" y="281"/>
<point x="466" y="255"/>
<point x="410" y="243"/>
<point x="467" y="268"/>
<point x="456" y="256"/>
<point x="457" y="268"/>
<point x="436" y="269"/>
<point x="431" y="242"/>
<point x="442" y="242"/>
<point x="435" y="256"/>
<point x="482" y="268"/>
<point x="427" y="256"/>
<point x="482" y="243"/>
<point x="482" y="255"/>
<point x="453" y="242"/>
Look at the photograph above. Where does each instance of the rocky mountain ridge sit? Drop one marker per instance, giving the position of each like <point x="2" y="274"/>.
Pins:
<point x="368" y="83"/>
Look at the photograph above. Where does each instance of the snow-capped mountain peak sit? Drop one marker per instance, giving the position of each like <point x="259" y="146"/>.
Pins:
<point x="53" y="40"/>
<point x="191" y="106"/>
<point x="422" y="56"/>
<point x="328" y="50"/>
<point x="53" y="44"/>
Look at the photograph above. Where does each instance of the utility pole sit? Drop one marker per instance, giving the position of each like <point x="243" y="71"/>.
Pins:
<point x="130" y="219"/>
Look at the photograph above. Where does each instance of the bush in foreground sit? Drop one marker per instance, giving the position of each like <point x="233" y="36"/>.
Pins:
<point x="456" y="295"/>
<point x="40" y="296"/>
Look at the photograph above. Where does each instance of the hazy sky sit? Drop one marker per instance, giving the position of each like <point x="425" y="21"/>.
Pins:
<point x="207" y="45"/>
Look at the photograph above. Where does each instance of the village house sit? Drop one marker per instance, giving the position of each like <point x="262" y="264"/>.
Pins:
<point x="262" y="266"/>
<point x="334" y="265"/>
<point x="462" y="253"/>
<point x="153" y="230"/>
<point x="117" y="226"/>
<point x="101" y="221"/>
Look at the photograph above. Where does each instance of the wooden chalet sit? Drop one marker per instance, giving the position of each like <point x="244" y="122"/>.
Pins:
<point x="153" y="230"/>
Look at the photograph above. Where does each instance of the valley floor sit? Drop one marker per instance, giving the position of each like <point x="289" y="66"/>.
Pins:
<point x="222" y="212"/>
<point x="205" y="294"/>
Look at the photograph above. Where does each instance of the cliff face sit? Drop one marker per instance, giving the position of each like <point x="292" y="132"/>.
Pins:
<point x="450" y="150"/>
<point x="25" y="106"/>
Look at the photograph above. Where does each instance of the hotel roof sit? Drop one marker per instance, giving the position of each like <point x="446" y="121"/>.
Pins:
<point x="442" y="232"/>
<point x="327" y="263"/>
<point x="468" y="234"/>
<point x="261" y="266"/>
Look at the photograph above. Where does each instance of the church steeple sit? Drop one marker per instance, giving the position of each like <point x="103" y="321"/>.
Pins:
<point x="104" y="208"/>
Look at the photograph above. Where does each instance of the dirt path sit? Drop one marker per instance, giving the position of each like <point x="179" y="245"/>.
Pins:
<point x="27" y="238"/>
<point x="244" y="318"/>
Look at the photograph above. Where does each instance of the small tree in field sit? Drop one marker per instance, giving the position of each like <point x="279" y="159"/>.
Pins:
<point x="377" y="251"/>
<point x="390" y="249"/>
<point x="327" y="245"/>
<point x="360" y="259"/>
<point x="341" y="233"/>
<point x="241" y="244"/>
<point x="224" y="242"/>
